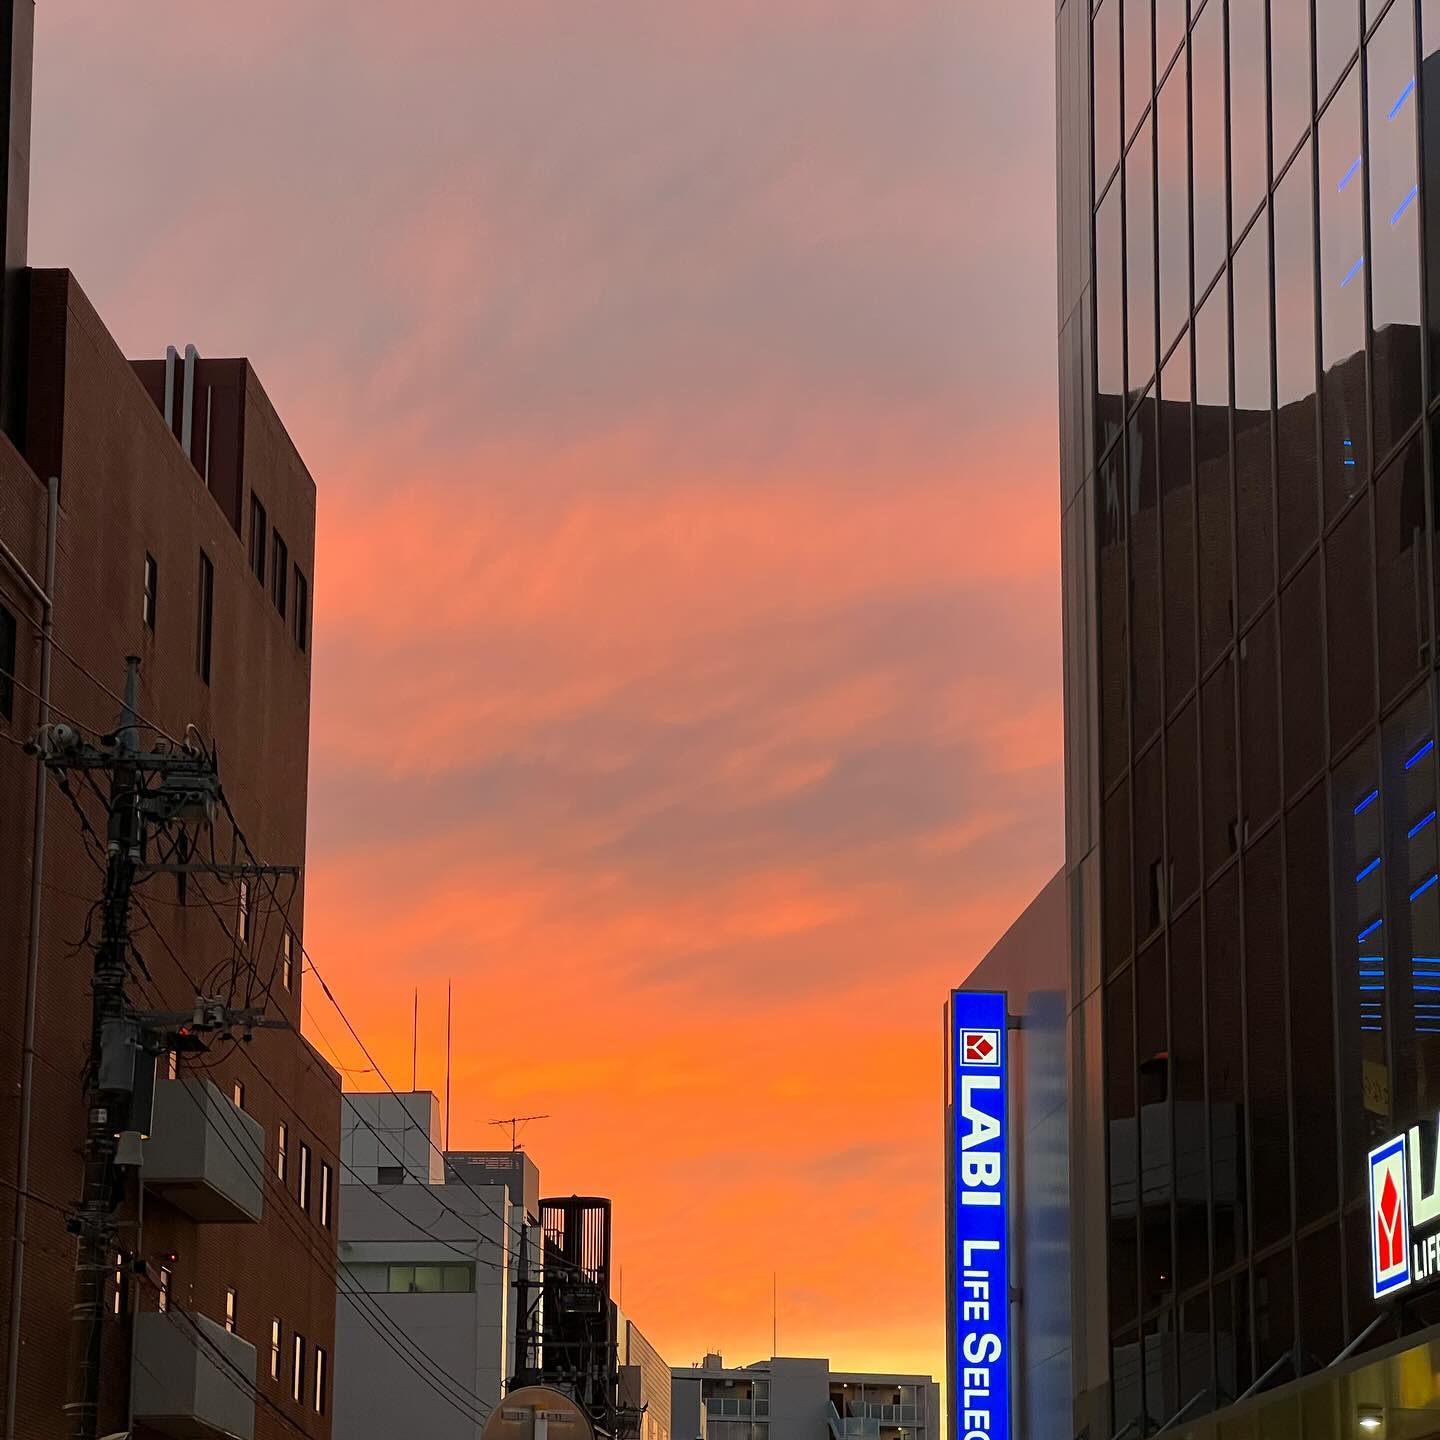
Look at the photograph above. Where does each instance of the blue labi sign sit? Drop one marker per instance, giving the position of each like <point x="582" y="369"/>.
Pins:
<point x="979" y="1069"/>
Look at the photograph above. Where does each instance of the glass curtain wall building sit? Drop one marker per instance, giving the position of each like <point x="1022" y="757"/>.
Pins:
<point x="1249" y="329"/>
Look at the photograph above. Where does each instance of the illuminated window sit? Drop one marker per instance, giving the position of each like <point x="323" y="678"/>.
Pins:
<point x="230" y="1310"/>
<point x="162" y="1302"/>
<point x="287" y="958"/>
<point x="282" y="1151"/>
<point x="297" y="1368"/>
<point x="303" y="1194"/>
<point x="325" y="1194"/>
<point x="275" y="1349"/>
<point x="237" y="1094"/>
<point x="319" y="1381"/>
<point x="244" y="912"/>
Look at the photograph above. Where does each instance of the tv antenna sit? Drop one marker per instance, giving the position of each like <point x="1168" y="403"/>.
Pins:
<point x="517" y="1123"/>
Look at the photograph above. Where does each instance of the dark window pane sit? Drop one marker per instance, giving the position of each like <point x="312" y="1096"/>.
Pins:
<point x="1127" y="1381"/>
<point x="1254" y="497"/>
<point x="1124" y="1153"/>
<point x="1140" y="260"/>
<point x="1342" y="297"/>
<point x="1303" y="668"/>
<point x="1138" y="75"/>
<point x="1224" y="1028"/>
<point x="1348" y="569"/>
<point x="1170" y="21"/>
<point x="1299" y="504"/>
<point x="1362" y="962"/>
<point x="1233" y="1370"/>
<point x="1337" y="37"/>
<point x="1362" y="1307"/>
<point x="1212" y="456"/>
<point x="1193" y="1344"/>
<point x="1402" y="568"/>
<point x="1322" y="1332"/>
<point x="1413" y="945"/>
<point x="1187" y="1009"/>
<point x="1115" y="873"/>
<point x="1274" y="1307"/>
<point x="1179" y="534"/>
<point x="1151" y="889"/>
<point x="1217" y="741"/>
<point x="1147" y="661"/>
<point x="1312" y="1017"/>
<point x="1106" y="42"/>
<point x="1394" y="226"/>
<point x="1156" y="1190"/>
<point x="1259" y="723"/>
<point x="1161" y="1378"/>
<point x="1429" y="91"/>
<point x="1114" y="617"/>
<point x="1265" y="1008"/>
<point x="1289" y="73"/>
<point x="1182" y="797"/>
<point x="1207" y="63"/>
<point x="1109" y="311"/>
<point x="1247" y="108"/>
<point x="1173" y="189"/>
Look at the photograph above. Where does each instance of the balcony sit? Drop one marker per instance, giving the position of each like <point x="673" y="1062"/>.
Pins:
<point x="204" y="1155"/>
<point x="191" y="1379"/>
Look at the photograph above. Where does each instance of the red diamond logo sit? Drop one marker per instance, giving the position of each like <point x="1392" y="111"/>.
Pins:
<point x="1387" y="1225"/>
<point x="978" y="1048"/>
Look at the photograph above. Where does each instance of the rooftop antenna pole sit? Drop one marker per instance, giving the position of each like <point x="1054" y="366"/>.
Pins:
<point x="448" y="991"/>
<point x="515" y="1122"/>
<point x="774" y="1312"/>
<point x="415" y="1044"/>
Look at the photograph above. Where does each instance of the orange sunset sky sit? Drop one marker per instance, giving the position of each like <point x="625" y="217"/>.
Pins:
<point x="678" y="378"/>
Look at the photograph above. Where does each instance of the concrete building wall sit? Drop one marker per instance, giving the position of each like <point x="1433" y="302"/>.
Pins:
<point x="799" y="1398"/>
<point x="687" y="1408"/>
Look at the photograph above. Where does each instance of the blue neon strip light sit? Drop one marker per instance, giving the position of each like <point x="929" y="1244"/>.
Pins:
<point x="1350" y="173"/>
<point x="1404" y="96"/>
<point x="1405" y="203"/>
<point x="1353" y="271"/>
<point x="1374" y="865"/>
<point x="1422" y="887"/>
<point x="1375" y="1029"/>
<point x="1367" y="801"/>
<point x="1372" y="927"/>
<point x="1420" y="754"/>
<point x="1419" y="825"/>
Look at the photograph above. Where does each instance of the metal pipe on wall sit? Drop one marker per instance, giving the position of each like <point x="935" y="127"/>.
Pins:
<point x="32" y="977"/>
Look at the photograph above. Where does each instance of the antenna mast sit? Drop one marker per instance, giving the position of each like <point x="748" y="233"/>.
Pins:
<point x="516" y="1124"/>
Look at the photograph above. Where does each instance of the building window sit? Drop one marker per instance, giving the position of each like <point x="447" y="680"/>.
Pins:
<point x="152" y="592"/>
<point x="237" y="1094"/>
<point x="389" y="1174"/>
<point x="325" y="1193"/>
<point x="172" y="1065"/>
<point x="205" y="618"/>
<point x="117" y="1301"/>
<point x="162" y="1301"/>
<point x="7" y="664"/>
<point x="230" y="1309"/>
<point x="302" y="609"/>
<point x="430" y="1279"/>
<point x="275" y="1349"/>
<point x="279" y="572"/>
<point x="287" y="957"/>
<point x="257" y="538"/>
<point x="304" y="1191"/>
<point x="297" y="1368"/>
<point x="244" y="912"/>
<point x="282" y="1152"/>
<point x="319" y="1381"/>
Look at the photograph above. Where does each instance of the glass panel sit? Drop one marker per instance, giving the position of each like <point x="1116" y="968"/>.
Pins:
<point x="1178" y="494"/>
<point x="1259" y="724"/>
<point x="1402" y="568"/>
<point x="1394" y="226"/>
<point x="1307" y="863"/>
<point x="402" y="1278"/>
<point x="1106" y="43"/>
<point x="1289" y="74"/>
<point x="1187" y="1018"/>
<point x="1217" y="742"/>
<point x="1430" y="121"/>
<point x="1342" y="298"/>
<point x="1182" y="797"/>
<point x="1114" y="616"/>
<point x="1247" y="108"/>
<point x="1160" y="1366"/>
<point x="1146" y="659"/>
<point x="429" y="1279"/>
<point x="1298" y="496"/>
<point x="1156" y="1190"/>
<point x="1254" y="497"/>
<point x="1224" y="991"/>
<point x="1275" y="1308"/>
<point x="1302" y="649"/>
<point x="458" y="1279"/>
<point x="1138" y="76"/>
<point x="1349" y="569"/>
<point x="1321" y="1316"/>
<point x="1212" y="460"/>
<point x="1174" y="199"/>
<point x="1362" y="950"/>
<point x="1151" y="890"/>
<point x="1207" y="62"/>
<point x="1233" y="1371"/>
<point x="1337" y="37"/>
<point x="1193" y="1345"/>
<point x="1140" y="259"/>
<point x="1115" y="863"/>
<point x="1170" y="22"/>
<point x="1124" y="1157"/>
<point x="1109" y="311"/>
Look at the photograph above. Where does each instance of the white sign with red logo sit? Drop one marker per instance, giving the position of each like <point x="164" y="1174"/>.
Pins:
<point x="980" y="1047"/>
<point x="1404" y="1212"/>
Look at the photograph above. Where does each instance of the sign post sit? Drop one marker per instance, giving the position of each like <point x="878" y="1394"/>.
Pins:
<point x="979" y="1182"/>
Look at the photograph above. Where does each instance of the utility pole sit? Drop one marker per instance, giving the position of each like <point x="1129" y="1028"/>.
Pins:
<point x="147" y="789"/>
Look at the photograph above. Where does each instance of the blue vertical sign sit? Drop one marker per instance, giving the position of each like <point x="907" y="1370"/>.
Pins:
<point x="980" y="1096"/>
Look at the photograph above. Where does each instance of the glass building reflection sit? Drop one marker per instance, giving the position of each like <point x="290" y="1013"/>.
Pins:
<point x="1250" y="326"/>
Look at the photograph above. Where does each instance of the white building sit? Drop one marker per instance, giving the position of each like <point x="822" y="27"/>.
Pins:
<point x="795" y="1399"/>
